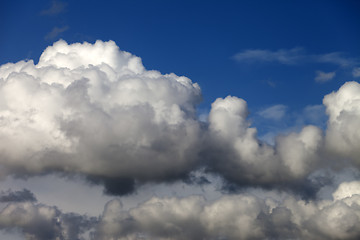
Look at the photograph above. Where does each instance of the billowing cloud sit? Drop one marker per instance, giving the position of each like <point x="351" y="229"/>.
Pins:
<point x="322" y="77"/>
<point x="243" y="216"/>
<point x="95" y="110"/>
<point x="343" y="132"/>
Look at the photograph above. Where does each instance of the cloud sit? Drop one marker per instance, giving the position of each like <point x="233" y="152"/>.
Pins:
<point x="56" y="8"/>
<point x="56" y="31"/>
<point x="283" y="56"/>
<point x="94" y="110"/>
<point x="275" y="112"/>
<point x="41" y="222"/>
<point x="242" y="216"/>
<point x="17" y="196"/>
<point x="294" y="56"/>
<point x="356" y="72"/>
<point x="322" y="77"/>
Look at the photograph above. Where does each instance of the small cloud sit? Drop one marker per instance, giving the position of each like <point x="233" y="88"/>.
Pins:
<point x="356" y="72"/>
<point x="56" y="8"/>
<point x="322" y="77"/>
<point x="283" y="56"/>
<point x="56" y="31"/>
<point x="275" y="112"/>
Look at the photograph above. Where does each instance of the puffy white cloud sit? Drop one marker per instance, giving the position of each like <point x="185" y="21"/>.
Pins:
<point x="94" y="109"/>
<point x="322" y="77"/>
<point x="246" y="160"/>
<point x="343" y="131"/>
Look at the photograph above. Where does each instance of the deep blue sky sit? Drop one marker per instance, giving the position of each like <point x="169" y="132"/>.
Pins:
<point x="199" y="39"/>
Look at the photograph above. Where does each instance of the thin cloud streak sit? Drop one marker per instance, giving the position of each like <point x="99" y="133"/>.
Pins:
<point x="293" y="56"/>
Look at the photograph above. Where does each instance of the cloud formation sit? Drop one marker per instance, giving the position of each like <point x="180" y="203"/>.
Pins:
<point x="242" y="216"/>
<point x="95" y="111"/>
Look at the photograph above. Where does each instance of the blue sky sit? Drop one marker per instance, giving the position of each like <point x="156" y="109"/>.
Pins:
<point x="137" y="140"/>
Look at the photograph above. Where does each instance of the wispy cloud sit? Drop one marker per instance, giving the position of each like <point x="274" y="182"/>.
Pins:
<point x="275" y="112"/>
<point x="322" y="77"/>
<point x="56" y="31"/>
<point x="56" y="8"/>
<point x="356" y="72"/>
<point x="283" y="56"/>
<point x="294" y="56"/>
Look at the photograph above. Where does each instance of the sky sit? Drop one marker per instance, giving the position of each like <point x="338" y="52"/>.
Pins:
<point x="179" y="120"/>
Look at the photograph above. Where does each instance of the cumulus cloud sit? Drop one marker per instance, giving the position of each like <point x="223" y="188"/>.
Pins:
<point x="343" y="131"/>
<point x="322" y="77"/>
<point x="93" y="109"/>
<point x="41" y="222"/>
<point x="243" y="216"/>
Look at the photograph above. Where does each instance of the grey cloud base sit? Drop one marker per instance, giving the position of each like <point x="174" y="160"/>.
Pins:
<point x="242" y="216"/>
<point x="95" y="111"/>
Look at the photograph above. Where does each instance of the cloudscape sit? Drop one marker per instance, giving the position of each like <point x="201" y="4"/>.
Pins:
<point x="258" y="140"/>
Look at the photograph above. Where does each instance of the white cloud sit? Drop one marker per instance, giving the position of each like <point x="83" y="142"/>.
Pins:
<point x="322" y="77"/>
<point x="95" y="110"/>
<point x="275" y="112"/>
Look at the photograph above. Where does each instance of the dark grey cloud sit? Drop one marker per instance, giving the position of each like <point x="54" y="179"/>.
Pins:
<point x="24" y="195"/>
